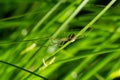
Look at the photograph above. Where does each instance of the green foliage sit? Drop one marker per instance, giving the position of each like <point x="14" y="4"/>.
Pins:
<point x="35" y="42"/>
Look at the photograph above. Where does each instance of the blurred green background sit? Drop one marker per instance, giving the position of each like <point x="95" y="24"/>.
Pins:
<point x="32" y="31"/>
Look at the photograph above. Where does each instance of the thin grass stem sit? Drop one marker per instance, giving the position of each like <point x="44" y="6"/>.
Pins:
<point x="4" y="62"/>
